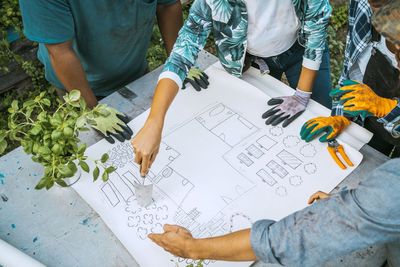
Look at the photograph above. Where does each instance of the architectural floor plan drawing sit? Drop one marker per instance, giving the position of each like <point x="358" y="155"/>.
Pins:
<point x="219" y="169"/>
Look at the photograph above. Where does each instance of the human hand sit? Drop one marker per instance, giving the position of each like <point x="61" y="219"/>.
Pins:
<point x="146" y="145"/>
<point x="176" y="240"/>
<point x="197" y="78"/>
<point x="288" y="108"/>
<point x="359" y="99"/>
<point x="110" y="123"/>
<point x="332" y="125"/>
<point x="318" y="196"/>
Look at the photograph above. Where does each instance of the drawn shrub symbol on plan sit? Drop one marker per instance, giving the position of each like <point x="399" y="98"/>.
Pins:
<point x="308" y="150"/>
<point x="276" y="131"/>
<point x="145" y="220"/>
<point x="277" y="169"/>
<point x="281" y="191"/>
<point x="295" y="180"/>
<point x="289" y="159"/>
<point x="239" y="221"/>
<point x="310" y="168"/>
<point x="291" y="141"/>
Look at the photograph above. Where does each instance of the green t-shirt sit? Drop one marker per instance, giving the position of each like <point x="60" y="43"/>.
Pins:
<point x="109" y="36"/>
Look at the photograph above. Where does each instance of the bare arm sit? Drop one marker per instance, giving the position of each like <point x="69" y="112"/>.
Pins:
<point x="69" y="70"/>
<point x="147" y="142"/>
<point x="170" y="21"/>
<point x="306" y="80"/>
<point x="231" y="247"/>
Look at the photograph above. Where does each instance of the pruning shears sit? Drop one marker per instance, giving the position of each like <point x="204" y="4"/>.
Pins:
<point x="333" y="148"/>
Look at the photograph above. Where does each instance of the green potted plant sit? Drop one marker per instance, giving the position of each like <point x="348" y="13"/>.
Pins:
<point x="52" y="138"/>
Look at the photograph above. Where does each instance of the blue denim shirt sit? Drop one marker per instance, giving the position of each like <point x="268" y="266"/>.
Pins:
<point x="335" y="226"/>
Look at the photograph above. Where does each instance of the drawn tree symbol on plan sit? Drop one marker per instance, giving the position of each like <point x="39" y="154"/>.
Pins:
<point x="291" y="141"/>
<point x="295" y="180"/>
<point x="239" y="221"/>
<point x="310" y="168"/>
<point x="281" y="191"/>
<point x="276" y="131"/>
<point x="308" y="150"/>
<point x="146" y="220"/>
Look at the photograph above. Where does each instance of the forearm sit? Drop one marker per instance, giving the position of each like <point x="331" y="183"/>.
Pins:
<point x="170" y="21"/>
<point x="306" y="80"/>
<point x="165" y="93"/>
<point x="231" y="247"/>
<point x="70" y="72"/>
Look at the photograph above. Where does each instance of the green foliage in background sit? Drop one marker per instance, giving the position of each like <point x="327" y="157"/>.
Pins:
<point x="52" y="138"/>
<point x="336" y="40"/>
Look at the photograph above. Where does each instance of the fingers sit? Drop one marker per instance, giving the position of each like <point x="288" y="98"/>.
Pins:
<point x="270" y="112"/>
<point x="317" y="196"/>
<point x="276" y="119"/>
<point x="144" y="166"/>
<point x="170" y="228"/>
<point x="195" y="85"/>
<point x="275" y="101"/>
<point x="153" y="157"/>
<point x="291" y="119"/>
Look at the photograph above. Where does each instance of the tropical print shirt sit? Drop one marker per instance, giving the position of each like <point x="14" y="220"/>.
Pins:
<point x="228" y="19"/>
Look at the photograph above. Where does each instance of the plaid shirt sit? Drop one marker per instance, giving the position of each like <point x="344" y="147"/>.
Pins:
<point x="359" y="35"/>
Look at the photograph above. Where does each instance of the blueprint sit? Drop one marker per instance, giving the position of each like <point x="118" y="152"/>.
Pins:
<point x="219" y="169"/>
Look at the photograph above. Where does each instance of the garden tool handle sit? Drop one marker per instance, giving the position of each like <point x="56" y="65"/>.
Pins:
<point x="344" y="155"/>
<point x="332" y="151"/>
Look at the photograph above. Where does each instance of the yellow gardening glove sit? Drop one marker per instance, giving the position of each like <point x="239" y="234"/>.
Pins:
<point x="359" y="99"/>
<point x="110" y="123"/>
<point x="332" y="125"/>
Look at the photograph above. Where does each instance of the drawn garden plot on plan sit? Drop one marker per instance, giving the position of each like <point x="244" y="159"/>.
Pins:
<point x="211" y="169"/>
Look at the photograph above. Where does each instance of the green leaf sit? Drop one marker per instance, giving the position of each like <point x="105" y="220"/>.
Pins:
<point x="42" y="116"/>
<point x="80" y="122"/>
<point x="28" y="103"/>
<point x="82" y="148"/>
<point x="84" y="166"/>
<point x="74" y="95"/>
<point x="42" y="183"/>
<point x="84" y="129"/>
<point x="3" y="146"/>
<point x="46" y="102"/>
<point x="56" y="149"/>
<point x="104" y="158"/>
<point x="56" y="134"/>
<point x="3" y="134"/>
<point x="36" y="130"/>
<point x="14" y="105"/>
<point x="104" y="177"/>
<point x="66" y="171"/>
<point x="49" y="184"/>
<point x="96" y="173"/>
<point x="110" y="169"/>
<point x="44" y="150"/>
<point x="68" y="132"/>
<point x="61" y="182"/>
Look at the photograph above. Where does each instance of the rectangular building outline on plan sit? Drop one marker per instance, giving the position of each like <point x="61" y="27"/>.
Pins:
<point x="258" y="165"/>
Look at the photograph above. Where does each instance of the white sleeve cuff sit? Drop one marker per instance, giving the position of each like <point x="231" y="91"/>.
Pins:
<point x="311" y="64"/>
<point x="172" y="76"/>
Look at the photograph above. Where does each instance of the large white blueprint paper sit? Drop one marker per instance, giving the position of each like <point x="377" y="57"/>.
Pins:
<point x="219" y="169"/>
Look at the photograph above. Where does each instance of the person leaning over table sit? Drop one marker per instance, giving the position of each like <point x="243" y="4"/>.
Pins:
<point x="98" y="46"/>
<point x="328" y="229"/>
<point x="282" y="35"/>
<point x="372" y="56"/>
